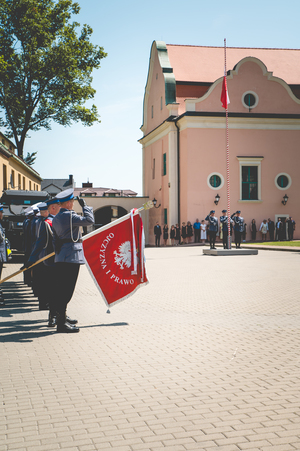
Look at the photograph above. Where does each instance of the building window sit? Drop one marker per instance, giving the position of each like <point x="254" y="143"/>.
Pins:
<point x="164" y="164"/>
<point x="12" y="179"/>
<point x="24" y="186"/>
<point x="249" y="183"/>
<point x="161" y="103"/>
<point x="152" y="111"/>
<point x="165" y="216"/>
<point x="29" y="185"/>
<point x="153" y="169"/>
<point x="215" y="180"/>
<point x="249" y="99"/>
<point x="19" y="181"/>
<point x="283" y="181"/>
<point x="4" y="177"/>
<point x="250" y="178"/>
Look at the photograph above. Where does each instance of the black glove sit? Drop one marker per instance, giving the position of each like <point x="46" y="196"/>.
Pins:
<point x="81" y="202"/>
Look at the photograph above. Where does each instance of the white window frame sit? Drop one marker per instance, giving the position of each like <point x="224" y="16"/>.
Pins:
<point x="256" y="99"/>
<point x="289" y="179"/>
<point x="251" y="161"/>
<point x="222" y="181"/>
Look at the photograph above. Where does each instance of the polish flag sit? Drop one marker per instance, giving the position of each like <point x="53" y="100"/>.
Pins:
<point x="224" y="94"/>
<point x="114" y="255"/>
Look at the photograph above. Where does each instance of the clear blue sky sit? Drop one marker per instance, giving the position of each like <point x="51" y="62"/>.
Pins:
<point x="108" y="153"/>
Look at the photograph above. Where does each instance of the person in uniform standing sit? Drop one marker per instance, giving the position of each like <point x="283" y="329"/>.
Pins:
<point x="3" y="251"/>
<point x="213" y="228"/>
<point x="67" y="242"/>
<point x="238" y="228"/>
<point x="224" y="222"/>
<point x="44" y="246"/>
<point x="29" y="215"/>
<point x="39" y="271"/>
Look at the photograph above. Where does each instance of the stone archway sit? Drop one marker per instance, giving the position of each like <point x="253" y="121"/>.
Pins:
<point x="107" y="214"/>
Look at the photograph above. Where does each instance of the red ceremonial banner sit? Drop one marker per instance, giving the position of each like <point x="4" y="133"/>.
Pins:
<point x="115" y="257"/>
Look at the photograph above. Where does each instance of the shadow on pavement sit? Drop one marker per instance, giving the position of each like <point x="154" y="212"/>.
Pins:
<point x="20" y="300"/>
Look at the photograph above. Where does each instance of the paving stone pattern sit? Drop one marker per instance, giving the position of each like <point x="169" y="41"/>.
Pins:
<point x="205" y="357"/>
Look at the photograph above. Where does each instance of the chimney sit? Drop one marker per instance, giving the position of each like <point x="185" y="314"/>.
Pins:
<point x="87" y="185"/>
<point x="71" y="181"/>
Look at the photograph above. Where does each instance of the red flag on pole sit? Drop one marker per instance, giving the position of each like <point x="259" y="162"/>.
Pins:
<point x="224" y="94"/>
<point x="115" y="257"/>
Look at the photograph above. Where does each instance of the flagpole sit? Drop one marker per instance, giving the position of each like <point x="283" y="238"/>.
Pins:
<point x="227" y="155"/>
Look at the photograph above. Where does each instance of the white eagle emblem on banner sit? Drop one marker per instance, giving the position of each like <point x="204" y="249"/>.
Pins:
<point x="123" y="255"/>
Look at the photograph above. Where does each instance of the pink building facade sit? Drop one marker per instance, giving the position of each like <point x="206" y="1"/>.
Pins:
<point x="184" y="134"/>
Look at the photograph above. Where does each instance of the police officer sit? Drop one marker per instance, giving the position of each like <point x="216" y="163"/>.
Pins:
<point x="68" y="254"/>
<point x="33" y="236"/>
<point x="224" y="222"/>
<point x="238" y="228"/>
<point x="213" y="228"/>
<point x="3" y="251"/>
<point x="39" y="250"/>
<point x="27" y="242"/>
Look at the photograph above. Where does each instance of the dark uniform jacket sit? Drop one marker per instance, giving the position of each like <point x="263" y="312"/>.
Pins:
<point x="238" y="223"/>
<point x="213" y="223"/>
<point x="43" y="244"/>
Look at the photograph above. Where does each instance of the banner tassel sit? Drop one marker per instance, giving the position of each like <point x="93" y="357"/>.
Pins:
<point x="108" y="311"/>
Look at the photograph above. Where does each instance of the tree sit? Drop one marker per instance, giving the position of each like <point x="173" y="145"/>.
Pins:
<point x="30" y="158"/>
<point x="45" y="67"/>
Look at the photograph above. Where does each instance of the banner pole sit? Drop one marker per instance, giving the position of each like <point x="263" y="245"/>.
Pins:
<point x="25" y="269"/>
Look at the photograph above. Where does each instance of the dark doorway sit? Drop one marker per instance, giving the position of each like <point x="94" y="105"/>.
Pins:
<point x="105" y="215"/>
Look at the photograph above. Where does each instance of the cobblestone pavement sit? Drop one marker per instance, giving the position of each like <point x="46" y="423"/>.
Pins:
<point x="205" y="357"/>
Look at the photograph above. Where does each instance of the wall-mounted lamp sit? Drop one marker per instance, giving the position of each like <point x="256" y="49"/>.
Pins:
<point x="285" y="199"/>
<point x="217" y="198"/>
<point x="155" y="202"/>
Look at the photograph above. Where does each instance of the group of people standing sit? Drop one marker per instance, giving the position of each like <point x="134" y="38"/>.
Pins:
<point x="53" y="226"/>
<point x="202" y="232"/>
<point x="281" y="231"/>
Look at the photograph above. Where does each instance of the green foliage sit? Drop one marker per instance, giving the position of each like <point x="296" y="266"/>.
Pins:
<point x="30" y="158"/>
<point x="45" y="67"/>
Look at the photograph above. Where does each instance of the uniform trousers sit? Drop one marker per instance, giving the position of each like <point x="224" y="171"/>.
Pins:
<point x="27" y="274"/>
<point x="238" y="238"/>
<point x="225" y="239"/>
<point x="66" y="278"/>
<point x="212" y="238"/>
<point x="46" y="296"/>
